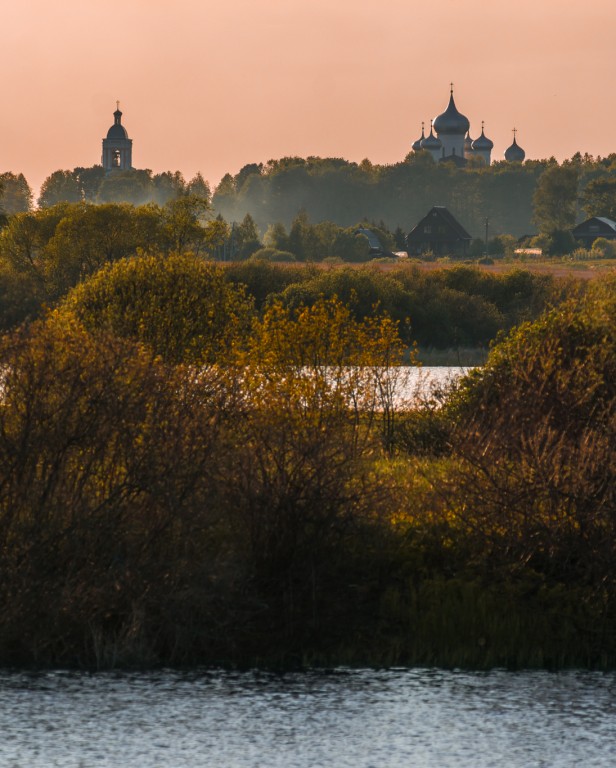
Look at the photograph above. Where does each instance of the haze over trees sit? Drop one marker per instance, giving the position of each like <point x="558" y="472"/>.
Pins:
<point x="293" y="203"/>
<point x="399" y="195"/>
<point x="134" y="186"/>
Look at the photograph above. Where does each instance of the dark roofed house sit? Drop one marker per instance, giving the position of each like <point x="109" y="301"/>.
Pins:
<point x="440" y="233"/>
<point x="597" y="226"/>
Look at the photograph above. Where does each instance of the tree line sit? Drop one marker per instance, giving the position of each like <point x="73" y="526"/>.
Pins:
<point x="536" y="197"/>
<point x="540" y="197"/>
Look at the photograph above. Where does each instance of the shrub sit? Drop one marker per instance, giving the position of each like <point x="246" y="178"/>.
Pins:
<point x="537" y="432"/>
<point x="108" y="511"/>
<point x="603" y="248"/>
<point x="181" y="306"/>
<point x="272" y="255"/>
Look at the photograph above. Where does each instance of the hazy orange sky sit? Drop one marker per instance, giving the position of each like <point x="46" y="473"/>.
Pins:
<point x="210" y="86"/>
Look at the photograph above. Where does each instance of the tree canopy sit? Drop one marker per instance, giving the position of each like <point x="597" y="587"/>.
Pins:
<point x="180" y="306"/>
<point x="555" y="198"/>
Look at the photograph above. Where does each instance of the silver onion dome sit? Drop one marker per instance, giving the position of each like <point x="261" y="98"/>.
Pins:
<point x="417" y="144"/>
<point x="431" y="142"/>
<point x="514" y="153"/>
<point x="482" y="143"/>
<point x="451" y="121"/>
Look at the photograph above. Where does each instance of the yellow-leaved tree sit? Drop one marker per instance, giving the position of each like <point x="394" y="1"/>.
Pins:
<point x="317" y="408"/>
<point x="181" y="306"/>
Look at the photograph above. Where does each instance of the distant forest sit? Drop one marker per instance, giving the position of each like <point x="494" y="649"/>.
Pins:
<point x="399" y="195"/>
<point x="335" y="190"/>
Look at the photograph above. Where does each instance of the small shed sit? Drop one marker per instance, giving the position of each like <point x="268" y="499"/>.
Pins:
<point x="374" y="244"/>
<point x="597" y="226"/>
<point x="439" y="232"/>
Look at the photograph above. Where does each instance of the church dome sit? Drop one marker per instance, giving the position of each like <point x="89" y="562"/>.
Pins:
<point x="514" y="153"/>
<point x="431" y="142"/>
<point x="483" y="144"/>
<point x="117" y="130"/>
<point x="468" y="143"/>
<point x="451" y="121"/>
<point x="417" y="144"/>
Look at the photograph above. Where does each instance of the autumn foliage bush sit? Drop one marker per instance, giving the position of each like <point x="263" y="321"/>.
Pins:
<point x="537" y="433"/>
<point x="155" y="511"/>
<point x="237" y="487"/>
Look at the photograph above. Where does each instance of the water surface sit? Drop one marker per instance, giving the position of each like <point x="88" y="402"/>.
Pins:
<point x="339" y="719"/>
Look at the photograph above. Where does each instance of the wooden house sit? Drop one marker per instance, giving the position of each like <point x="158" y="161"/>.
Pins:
<point x="440" y="233"/>
<point x="597" y="226"/>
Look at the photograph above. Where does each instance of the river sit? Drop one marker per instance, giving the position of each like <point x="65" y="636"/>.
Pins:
<point x="397" y="718"/>
<point x="413" y="383"/>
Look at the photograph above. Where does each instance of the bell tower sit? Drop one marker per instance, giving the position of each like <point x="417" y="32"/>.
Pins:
<point x="117" y="147"/>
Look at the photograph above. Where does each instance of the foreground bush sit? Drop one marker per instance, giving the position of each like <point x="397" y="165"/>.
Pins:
<point x="538" y="435"/>
<point x="106" y="510"/>
<point x="276" y="509"/>
<point x="156" y="513"/>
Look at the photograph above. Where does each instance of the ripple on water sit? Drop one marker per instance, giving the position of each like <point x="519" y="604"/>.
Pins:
<point x="357" y="718"/>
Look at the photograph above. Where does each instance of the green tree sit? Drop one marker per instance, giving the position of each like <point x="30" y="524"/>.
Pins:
<point x="132" y="186"/>
<point x="108" y="518"/>
<point x="245" y="173"/>
<point x="198" y="186"/>
<point x="599" y="197"/>
<point x="304" y="442"/>
<point x="224" y="196"/>
<point x="604" y="248"/>
<point x="90" y="180"/>
<point x="16" y="193"/>
<point x="349" y="245"/>
<point x="555" y="199"/>
<point x="299" y="236"/>
<point x="247" y="236"/>
<point x="502" y="245"/>
<point x="88" y="236"/>
<point x="167" y="186"/>
<point x="262" y="279"/>
<point x="277" y="237"/>
<point x="24" y="239"/>
<point x="60" y="187"/>
<point x="360" y="290"/>
<point x="21" y="297"/>
<point x="217" y="239"/>
<point x="182" y="225"/>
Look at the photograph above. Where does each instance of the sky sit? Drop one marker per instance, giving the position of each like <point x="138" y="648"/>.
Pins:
<point x="211" y="86"/>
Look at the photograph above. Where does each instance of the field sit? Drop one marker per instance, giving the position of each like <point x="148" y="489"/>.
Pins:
<point x="586" y="270"/>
